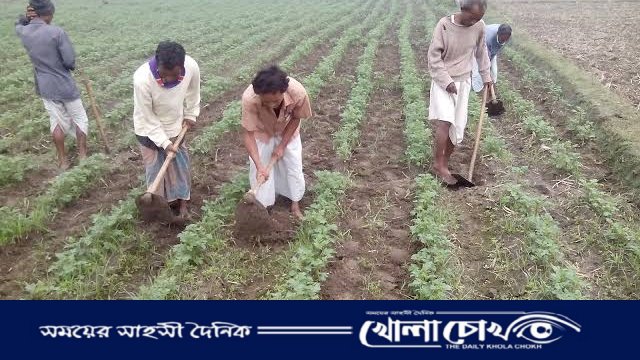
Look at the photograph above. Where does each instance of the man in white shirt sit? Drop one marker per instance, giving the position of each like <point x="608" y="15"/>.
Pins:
<point x="166" y="92"/>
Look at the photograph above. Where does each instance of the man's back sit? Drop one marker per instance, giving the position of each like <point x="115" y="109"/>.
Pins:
<point x="53" y="57"/>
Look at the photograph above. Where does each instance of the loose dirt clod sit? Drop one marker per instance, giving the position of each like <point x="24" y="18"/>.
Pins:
<point x="495" y="108"/>
<point x="153" y="207"/>
<point x="252" y="218"/>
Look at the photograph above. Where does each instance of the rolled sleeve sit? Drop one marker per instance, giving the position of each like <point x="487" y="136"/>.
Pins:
<point x="302" y="109"/>
<point x="250" y="117"/>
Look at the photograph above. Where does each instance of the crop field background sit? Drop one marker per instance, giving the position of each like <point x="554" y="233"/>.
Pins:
<point x="555" y="216"/>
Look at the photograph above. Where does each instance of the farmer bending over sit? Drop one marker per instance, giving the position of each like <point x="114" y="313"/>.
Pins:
<point x="496" y="36"/>
<point x="272" y="107"/>
<point x="450" y="62"/>
<point x="53" y="58"/>
<point x="166" y="95"/>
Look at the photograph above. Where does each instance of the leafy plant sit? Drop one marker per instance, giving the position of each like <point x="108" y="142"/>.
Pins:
<point x="347" y="136"/>
<point x="314" y="241"/>
<point x="418" y="139"/>
<point x="65" y="189"/>
<point x="14" y="168"/>
<point x="433" y="266"/>
<point x="209" y="234"/>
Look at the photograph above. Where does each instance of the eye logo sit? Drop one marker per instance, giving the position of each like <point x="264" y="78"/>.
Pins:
<point x="541" y="328"/>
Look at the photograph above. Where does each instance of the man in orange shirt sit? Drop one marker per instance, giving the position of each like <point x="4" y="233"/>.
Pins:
<point x="272" y="107"/>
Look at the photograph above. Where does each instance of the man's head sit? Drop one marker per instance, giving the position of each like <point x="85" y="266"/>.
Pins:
<point x="504" y="33"/>
<point x="271" y="84"/>
<point x="472" y="11"/>
<point x="170" y="57"/>
<point x="44" y="9"/>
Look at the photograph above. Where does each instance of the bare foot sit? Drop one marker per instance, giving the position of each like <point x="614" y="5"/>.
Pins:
<point x="184" y="211"/>
<point x="63" y="164"/>
<point x="295" y="210"/>
<point x="444" y="174"/>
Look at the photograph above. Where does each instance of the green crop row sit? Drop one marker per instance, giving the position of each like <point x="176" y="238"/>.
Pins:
<point x="415" y="109"/>
<point x="231" y="117"/>
<point x="207" y="235"/>
<point x="64" y="189"/>
<point x="314" y="240"/>
<point x="79" y="268"/>
<point x="564" y="159"/>
<point x="348" y="135"/>
<point x="94" y="256"/>
<point x="561" y="152"/>
<point x="14" y="168"/>
<point x="433" y="268"/>
<point x="528" y="222"/>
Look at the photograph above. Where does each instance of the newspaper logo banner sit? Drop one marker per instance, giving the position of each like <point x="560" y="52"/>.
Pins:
<point x="451" y="330"/>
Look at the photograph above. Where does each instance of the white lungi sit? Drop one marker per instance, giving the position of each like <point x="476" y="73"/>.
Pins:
<point x="451" y="108"/>
<point x="476" y="79"/>
<point x="68" y="115"/>
<point x="286" y="177"/>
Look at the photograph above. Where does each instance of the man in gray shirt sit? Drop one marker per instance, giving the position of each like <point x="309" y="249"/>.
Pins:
<point x="53" y="58"/>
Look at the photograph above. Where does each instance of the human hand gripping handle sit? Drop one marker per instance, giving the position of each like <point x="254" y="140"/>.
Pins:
<point x="451" y="88"/>
<point x="175" y="146"/>
<point x="171" y="154"/>
<point x="31" y="13"/>
<point x="263" y="175"/>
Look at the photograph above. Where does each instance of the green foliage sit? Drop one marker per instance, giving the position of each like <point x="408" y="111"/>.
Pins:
<point x="565" y="284"/>
<point x="538" y="126"/>
<point x="580" y="126"/>
<point x="14" y="168"/>
<point x="79" y="268"/>
<point x="314" y="241"/>
<point x="326" y="68"/>
<point x="564" y="158"/>
<point x="492" y="144"/>
<point x="230" y="121"/>
<point x="433" y="266"/>
<point x="415" y="109"/>
<point x="601" y="203"/>
<point x="64" y="189"/>
<point x="540" y="236"/>
<point x="562" y="154"/>
<point x="207" y="235"/>
<point x="347" y="136"/>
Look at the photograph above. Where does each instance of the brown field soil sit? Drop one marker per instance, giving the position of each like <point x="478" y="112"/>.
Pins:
<point x="374" y="245"/>
<point x="604" y="42"/>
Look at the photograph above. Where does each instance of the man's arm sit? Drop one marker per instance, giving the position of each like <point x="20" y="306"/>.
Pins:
<point x="24" y="20"/>
<point x="192" y="98"/>
<point x="250" y="144"/>
<point x="21" y="23"/>
<point x="288" y="132"/>
<point x="249" y="124"/>
<point x="438" y="71"/>
<point x="482" y="57"/>
<point x="67" y="53"/>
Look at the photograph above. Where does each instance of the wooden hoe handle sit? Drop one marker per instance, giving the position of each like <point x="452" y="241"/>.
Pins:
<point x="170" y="156"/>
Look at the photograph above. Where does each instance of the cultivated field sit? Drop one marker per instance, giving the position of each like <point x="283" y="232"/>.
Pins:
<point x="555" y="215"/>
<point x="599" y="41"/>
